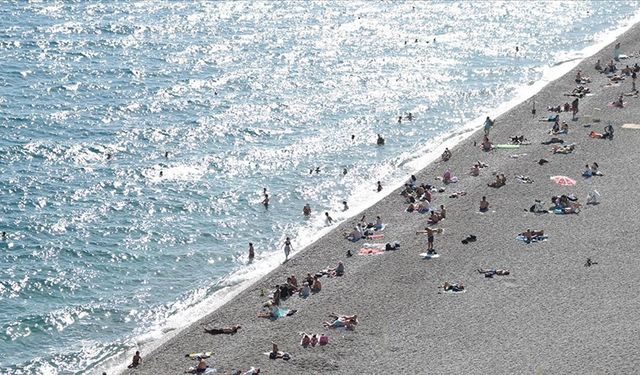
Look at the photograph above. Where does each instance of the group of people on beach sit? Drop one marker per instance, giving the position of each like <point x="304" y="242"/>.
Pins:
<point x="420" y="197"/>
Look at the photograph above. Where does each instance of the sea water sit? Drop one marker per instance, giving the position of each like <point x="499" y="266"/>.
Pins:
<point x="137" y="138"/>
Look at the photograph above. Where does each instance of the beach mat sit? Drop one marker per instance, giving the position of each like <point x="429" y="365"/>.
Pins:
<point x="506" y="147"/>
<point x="631" y="126"/>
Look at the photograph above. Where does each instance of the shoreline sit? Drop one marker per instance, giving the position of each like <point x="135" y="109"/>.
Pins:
<point x="302" y="257"/>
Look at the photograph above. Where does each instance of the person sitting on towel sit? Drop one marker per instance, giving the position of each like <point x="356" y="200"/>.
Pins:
<point x="529" y="235"/>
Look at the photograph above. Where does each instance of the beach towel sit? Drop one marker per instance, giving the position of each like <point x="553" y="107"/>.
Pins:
<point x="203" y="355"/>
<point x="534" y="239"/>
<point x="631" y="126"/>
<point x="374" y="236"/>
<point x="429" y="256"/>
<point x="506" y="147"/>
<point x="209" y="370"/>
<point x="369" y="251"/>
<point x="454" y="292"/>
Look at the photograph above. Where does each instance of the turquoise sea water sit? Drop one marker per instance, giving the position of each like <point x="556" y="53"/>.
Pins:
<point x="105" y="253"/>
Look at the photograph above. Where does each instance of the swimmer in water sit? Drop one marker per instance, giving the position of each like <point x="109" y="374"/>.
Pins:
<point x="252" y="252"/>
<point x="353" y="136"/>
<point x="161" y="173"/>
<point x="344" y="171"/>
<point x="399" y="119"/>
<point x="380" y="140"/>
<point x="264" y="191"/>
<point x="329" y="219"/>
<point x="410" y="116"/>
<point x="317" y="169"/>
<point x="166" y="154"/>
<point x="4" y="235"/>
<point x="306" y="210"/>
<point x="109" y="156"/>
<point x="265" y="202"/>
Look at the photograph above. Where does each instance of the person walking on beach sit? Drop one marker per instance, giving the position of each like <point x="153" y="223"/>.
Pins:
<point x="287" y="248"/>
<point x="488" y="124"/>
<point x="252" y="252"/>
<point x="574" y="108"/>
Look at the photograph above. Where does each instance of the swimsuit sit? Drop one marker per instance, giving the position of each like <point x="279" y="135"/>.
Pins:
<point x="430" y="238"/>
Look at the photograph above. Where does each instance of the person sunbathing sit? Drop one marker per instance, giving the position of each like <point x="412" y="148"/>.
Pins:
<point x="223" y="331"/>
<point x="530" y="235"/>
<point x="493" y="271"/>
<point x="564" y="149"/>
<point x="453" y="287"/>
<point x="339" y="322"/>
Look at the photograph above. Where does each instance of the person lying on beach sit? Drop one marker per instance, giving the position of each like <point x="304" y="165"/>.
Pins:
<point x="419" y="207"/>
<point x="493" y="271"/>
<point x="348" y="323"/>
<point x="135" y="362"/>
<point x="521" y="140"/>
<point x="552" y="141"/>
<point x="223" y="331"/>
<point x="446" y="155"/>
<point x="626" y="70"/>
<point x="615" y="79"/>
<point x="538" y="208"/>
<point x="564" y="149"/>
<point x="452" y="287"/>
<point x="530" y="235"/>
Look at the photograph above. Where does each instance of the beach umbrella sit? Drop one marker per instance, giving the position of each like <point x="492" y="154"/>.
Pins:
<point x="563" y="180"/>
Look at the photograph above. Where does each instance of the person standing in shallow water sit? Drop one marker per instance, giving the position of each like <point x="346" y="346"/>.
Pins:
<point x="287" y="249"/>
<point x="265" y="202"/>
<point x="379" y="187"/>
<point x="252" y="252"/>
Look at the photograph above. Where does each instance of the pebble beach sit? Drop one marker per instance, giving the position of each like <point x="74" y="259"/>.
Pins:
<point x="552" y="314"/>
